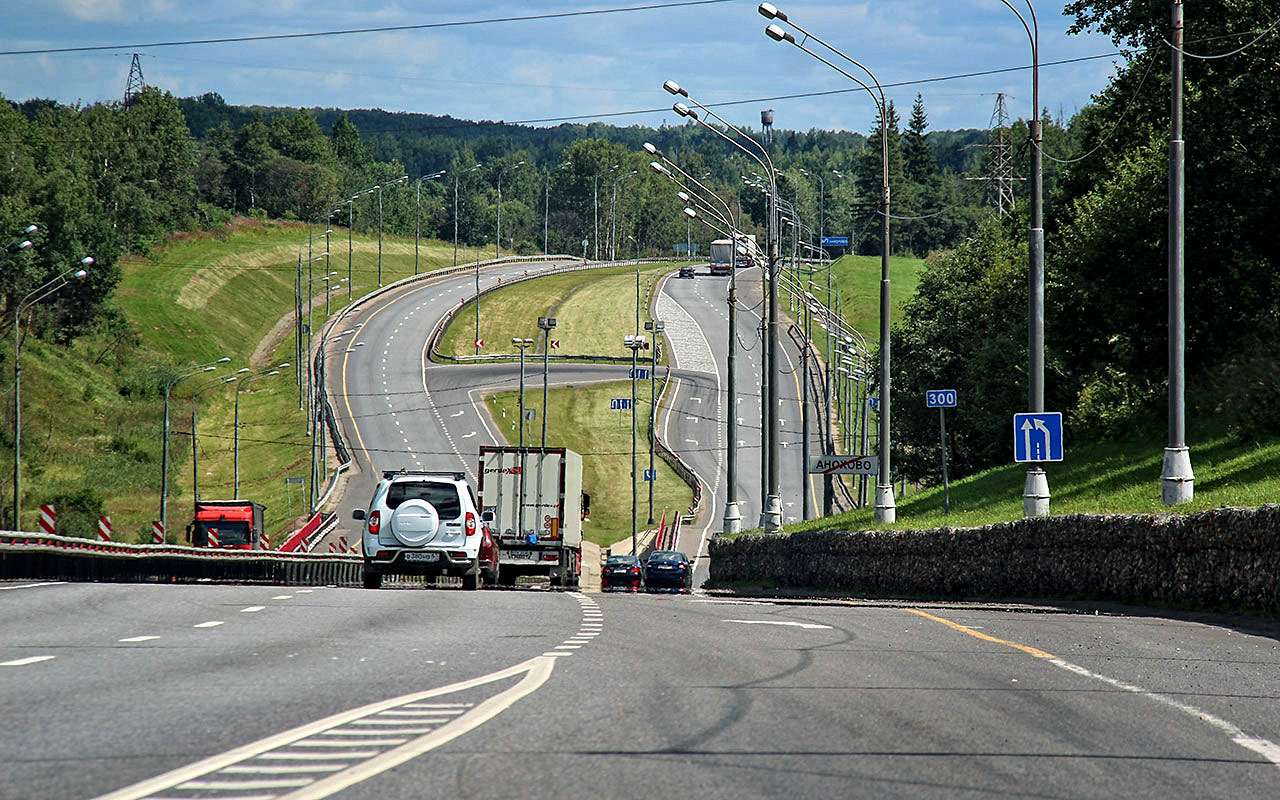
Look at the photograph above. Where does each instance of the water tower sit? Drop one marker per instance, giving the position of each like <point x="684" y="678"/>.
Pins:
<point x="766" y="122"/>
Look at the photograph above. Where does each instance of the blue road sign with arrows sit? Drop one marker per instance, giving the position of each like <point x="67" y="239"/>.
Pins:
<point x="1037" y="437"/>
<point x="650" y="474"/>
<point x="619" y="403"/>
<point x="639" y="373"/>
<point x="874" y="402"/>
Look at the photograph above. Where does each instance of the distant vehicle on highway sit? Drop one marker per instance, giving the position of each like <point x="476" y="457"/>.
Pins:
<point x="668" y="569"/>
<point x="621" y="573"/>
<point x="720" y="257"/>
<point x="534" y="504"/>
<point x="426" y="523"/>
<point x="687" y="272"/>
<point x="227" y="525"/>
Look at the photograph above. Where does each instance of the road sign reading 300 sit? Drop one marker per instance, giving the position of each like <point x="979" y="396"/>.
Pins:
<point x="941" y="398"/>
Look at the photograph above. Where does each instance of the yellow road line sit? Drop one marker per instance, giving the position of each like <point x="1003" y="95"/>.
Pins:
<point x="986" y="637"/>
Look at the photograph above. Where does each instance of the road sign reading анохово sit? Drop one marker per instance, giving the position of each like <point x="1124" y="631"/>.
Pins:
<point x="1037" y="437"/>
<point x="844" y="465"/>
<point x="835" y="241"/>
<point x="941" y="398"/>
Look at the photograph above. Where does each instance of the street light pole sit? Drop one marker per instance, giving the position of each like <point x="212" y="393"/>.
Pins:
<point x="522" y="345"/>
<point x="635" y="344"/>
<point x="546" y="217"/>
<point x="164" y="442"/>
<point x="886" y="508"/>
<point x="657" y="327"/>
<point x="1177" y="480"/>
<point x="78" y="272"/>
<point x="351" y="215"/>
<point x="771" y="505"/>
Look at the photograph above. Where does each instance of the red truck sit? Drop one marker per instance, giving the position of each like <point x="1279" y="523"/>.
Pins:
<point x="227" y="524"/>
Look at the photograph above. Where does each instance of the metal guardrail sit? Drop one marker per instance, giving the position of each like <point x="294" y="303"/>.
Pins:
<point x="677" y="464"/>
<point x="28" y="556"/>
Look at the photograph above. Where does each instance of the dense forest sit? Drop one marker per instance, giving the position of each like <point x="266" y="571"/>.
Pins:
<point x="107" y="179"/>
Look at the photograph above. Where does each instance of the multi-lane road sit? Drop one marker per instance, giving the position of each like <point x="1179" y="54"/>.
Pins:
<point x="399" y="409"/>
<point x="254" y="692"/>
<point x="185" y="692"/>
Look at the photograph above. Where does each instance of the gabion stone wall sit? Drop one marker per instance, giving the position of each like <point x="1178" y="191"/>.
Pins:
<point x="1225" y="558"/>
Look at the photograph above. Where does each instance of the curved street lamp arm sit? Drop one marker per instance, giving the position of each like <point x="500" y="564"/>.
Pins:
<point x="728" y="211"/>
<point x="766" y="163"/>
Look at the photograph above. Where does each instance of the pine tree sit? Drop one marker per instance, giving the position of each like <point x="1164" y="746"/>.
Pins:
<point x="920" y="161"/>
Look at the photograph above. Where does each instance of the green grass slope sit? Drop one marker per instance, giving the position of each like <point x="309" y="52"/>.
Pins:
<point x="594" y="310"/>
<point x="1095" y="478"/>
<point x="92" y="412"/>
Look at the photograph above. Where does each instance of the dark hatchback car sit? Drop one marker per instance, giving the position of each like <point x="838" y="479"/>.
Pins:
<point x="687" y="272"/>
<point x="621" y="573"/>
<point x="668" y="569"/>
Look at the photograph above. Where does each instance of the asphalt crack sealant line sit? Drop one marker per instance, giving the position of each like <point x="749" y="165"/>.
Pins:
<point x="324" y="757"/>
<point x="1263" y="747"/>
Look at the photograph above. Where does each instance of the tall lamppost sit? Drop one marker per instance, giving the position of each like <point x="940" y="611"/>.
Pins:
<point x="164" y="433"/>
<point x="1177" y="481"/>
<point x="76" y="273"/>
<point x="456" y="177"/>
<point x="656" y="327"/>
<point x="379" y="188"/>
<point x="522" y="345"/>
<point x="886" y="507"/>
<point x="417" y="223"/>
<point x="497" y="239"/>
<point x="241" y="382"/>
<point x="771" y="505"/>
<point x="732" y="514"/>
<point x="635" y="344"/>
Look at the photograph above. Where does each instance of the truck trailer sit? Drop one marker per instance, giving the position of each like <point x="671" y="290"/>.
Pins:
<point x="533" y="504"/>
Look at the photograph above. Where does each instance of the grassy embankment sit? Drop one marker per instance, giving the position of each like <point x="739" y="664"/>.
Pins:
<point x="594" y="310"/>
<point x="1097" y="477"/>
<point x="92" y="414"/>
<point x="580" y="420"/>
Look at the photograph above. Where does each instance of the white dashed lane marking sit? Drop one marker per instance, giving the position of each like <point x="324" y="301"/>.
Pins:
<point x="251" y="609"/>
<point x="22" y="662"/>
<point x="132" y="639"/>
<point x="213" y="623"/>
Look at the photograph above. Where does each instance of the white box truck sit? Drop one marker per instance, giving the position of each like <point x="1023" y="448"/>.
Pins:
<point x="532" y="503"/>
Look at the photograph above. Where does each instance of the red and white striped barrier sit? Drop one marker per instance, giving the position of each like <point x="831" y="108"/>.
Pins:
<point x="104" y="528"/>
<point x="213" y="538"/>
<point x="157" y="532"/>
<point x="48" y="519"/>
<point x="265" y="540"/>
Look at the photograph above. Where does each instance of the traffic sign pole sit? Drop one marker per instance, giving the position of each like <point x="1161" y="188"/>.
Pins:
<point x="946" y="484"/>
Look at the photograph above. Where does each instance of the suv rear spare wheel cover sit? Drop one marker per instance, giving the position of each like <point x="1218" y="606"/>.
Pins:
<point x="415" y="523"/>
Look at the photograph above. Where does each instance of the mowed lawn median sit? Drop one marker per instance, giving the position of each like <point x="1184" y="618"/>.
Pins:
<point x="581" y="420"/>
<point x="594" y="310"/>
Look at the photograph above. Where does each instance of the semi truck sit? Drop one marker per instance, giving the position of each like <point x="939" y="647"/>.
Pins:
<point x="227" y="524"/>
<point x="532" y="503"/>
<point x="720" y="257"/>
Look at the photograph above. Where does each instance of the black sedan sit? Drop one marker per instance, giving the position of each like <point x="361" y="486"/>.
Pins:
<point x="668" y="569"/>
<point x="687" y="272"/>
<point x="621" y="573"/>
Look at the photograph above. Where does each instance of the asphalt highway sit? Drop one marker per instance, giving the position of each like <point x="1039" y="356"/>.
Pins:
<point x="127" y="691"/>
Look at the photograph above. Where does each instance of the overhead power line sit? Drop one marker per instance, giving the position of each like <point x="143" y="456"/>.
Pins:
<point x="590" y="12"/>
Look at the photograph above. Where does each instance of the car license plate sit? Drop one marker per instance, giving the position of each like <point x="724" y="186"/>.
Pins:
<point x="421" y="556"/>
<point x="523" y="555"/>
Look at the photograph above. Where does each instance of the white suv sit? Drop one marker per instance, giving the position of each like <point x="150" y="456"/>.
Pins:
<point x="426" y="523"/>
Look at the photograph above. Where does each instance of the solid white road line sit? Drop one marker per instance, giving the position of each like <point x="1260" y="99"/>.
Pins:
<point x="138" y="639"/>
<point x="813" y="626"/>
<point x="283" y="769"/>
<point x="285" y="755"/>
<point x="243" y="786"/>
<point x="31" y="585"/>
<point x="381" y="732"/>
<point x="213" y="623"/>
<point x="22" y="662"/>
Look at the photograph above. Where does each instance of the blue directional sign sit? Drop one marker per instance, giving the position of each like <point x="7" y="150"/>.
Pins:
<point x="639" y="373"/>
<point x="650" y="474"/>
<point x="835" y="241"/>
<point x="941" y="398"/>
<point x="874" y="402"/>
<point x="1037" y="437"/>
<point x="619" y="403"/>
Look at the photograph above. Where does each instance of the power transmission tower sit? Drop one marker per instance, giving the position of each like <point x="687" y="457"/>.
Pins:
<point x="135" y="84"/>
<point x="999" y="175"/>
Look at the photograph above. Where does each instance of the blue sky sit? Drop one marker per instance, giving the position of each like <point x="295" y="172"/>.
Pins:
<point x="526" y="70"/>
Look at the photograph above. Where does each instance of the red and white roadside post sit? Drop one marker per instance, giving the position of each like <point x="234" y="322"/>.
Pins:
<point x="157" y="532"/>
<point x="104" y="528"/>
<point x="48" y="519"/>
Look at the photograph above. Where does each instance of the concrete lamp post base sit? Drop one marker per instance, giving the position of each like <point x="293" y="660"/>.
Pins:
<point x="1178" y="483"/>
<point x="1035" y="494"/>
<point x="886" y="508"/>
<point x="771" y="517"/>
<point x="732" y="518"/>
